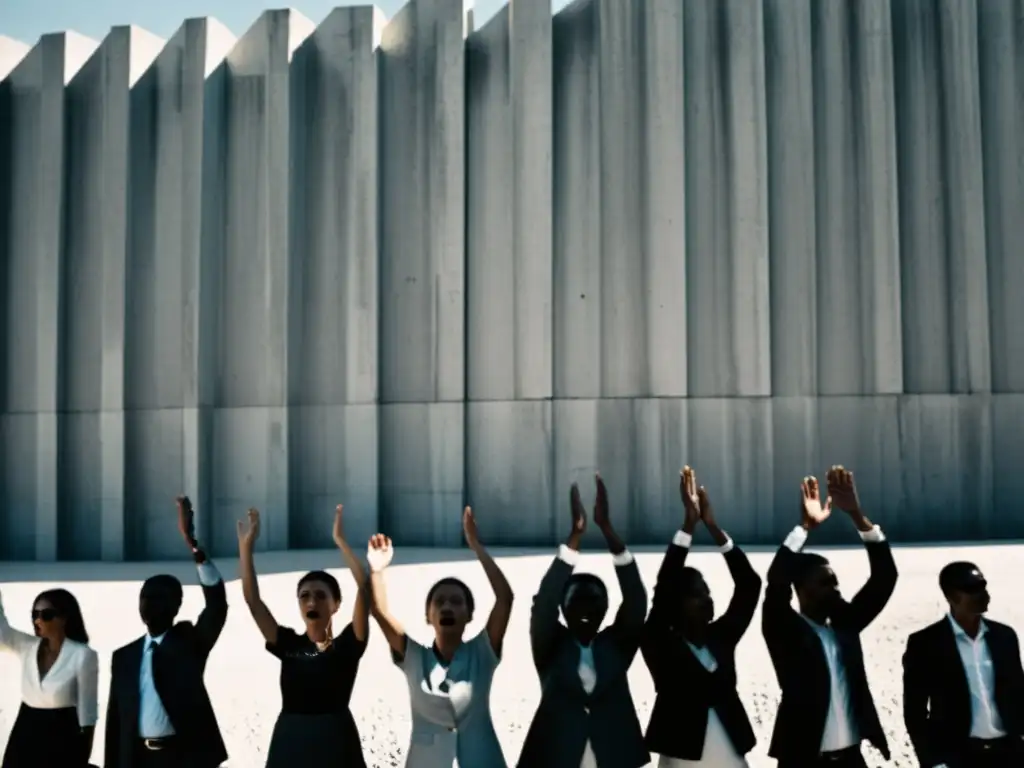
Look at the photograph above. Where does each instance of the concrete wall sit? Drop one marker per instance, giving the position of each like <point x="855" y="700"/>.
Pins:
<point x="408" y="265"/>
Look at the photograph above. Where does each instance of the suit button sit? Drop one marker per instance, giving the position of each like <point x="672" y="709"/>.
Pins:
<point x="586" y="710"/>
<point x="452" y="729"/>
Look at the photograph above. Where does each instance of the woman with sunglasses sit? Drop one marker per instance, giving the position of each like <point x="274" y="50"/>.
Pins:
<point x="59" y="679"/>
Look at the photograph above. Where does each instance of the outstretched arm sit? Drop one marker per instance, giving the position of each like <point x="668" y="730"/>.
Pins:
<point x="629" y="619"/>
<point x="378" y="556"/>
<point x="11" y="639"/>
<point x="250" y="585"/>
<point x="215" y="614"/>
<point x="733" y="624"/>
<point x="361" y="609"/>
<point x="497" y="622"/>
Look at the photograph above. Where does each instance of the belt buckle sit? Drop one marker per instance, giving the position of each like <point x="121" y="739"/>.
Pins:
<point x="153" y="745"/>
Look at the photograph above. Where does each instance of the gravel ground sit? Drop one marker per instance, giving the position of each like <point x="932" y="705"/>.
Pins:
<point x="242" y="677"/>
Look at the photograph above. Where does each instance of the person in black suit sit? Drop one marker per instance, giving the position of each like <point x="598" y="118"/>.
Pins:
<point x="698" y="719"/>
<point x="826" y="709"/>
<point x="586" y="716"/>
<point x="158" y="713"/>
<point x="963" y="686"/>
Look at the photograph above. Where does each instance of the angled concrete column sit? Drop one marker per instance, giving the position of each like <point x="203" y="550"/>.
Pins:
<point x="942" y="201"/>
<point x="251" y="418"/>
<point x="11" y="53"/>
<point x="509" y="309"/>
<point x="422" y="275"/>
<point x="1001" y="60"/>
<point x="792" y="197"/>
<point x="509" y="195"/>
<point x="31" y="246"/>
<point x="92" y="507"/>
<point x="334" y="253"/>
<point x="171" y="305"/>
<point x="728" y="325"/>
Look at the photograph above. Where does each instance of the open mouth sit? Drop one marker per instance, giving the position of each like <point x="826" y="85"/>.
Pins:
<point x="312" y="614"/>
<point x="447" y="621"/>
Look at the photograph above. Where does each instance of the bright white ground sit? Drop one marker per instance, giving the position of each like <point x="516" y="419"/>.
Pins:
<point x="242" y="677"/>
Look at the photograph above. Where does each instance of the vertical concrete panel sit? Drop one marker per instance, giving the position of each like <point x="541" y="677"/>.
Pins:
<point x="1007" y="458"/>
<point x="168" y="298"/>
<point x="95" y="242"/>
<point x="945" y="301"/>
<point x="792" y="198"/>
<point x="30" y="240"/>
<point x="727" y="294"/>
<point x="662" y="449"/>
<point x="422" y="470"/>
<point x="11" y="54"/>
<point x="509" y="225"/>
<point x="577" y="203"/>
<point x="422" y="225"/>
<point x="334" y="257"/>
<point x="946" y="445"/>
<point x="251" y="430"/>
<point x="1001" y="62"/>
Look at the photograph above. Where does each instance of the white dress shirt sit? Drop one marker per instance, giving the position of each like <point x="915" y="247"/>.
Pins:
<point x="841" y="730"/>
<point x="72" y="681"/>
<point x="587" y="670"/>
<point x="986" y="723"/>
<point x="718" y="749"/>
<point x="154" y="722"/>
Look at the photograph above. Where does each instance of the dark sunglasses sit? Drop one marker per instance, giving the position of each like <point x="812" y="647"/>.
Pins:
<point x="973" y="587"/>
<point x="47" y="614"/>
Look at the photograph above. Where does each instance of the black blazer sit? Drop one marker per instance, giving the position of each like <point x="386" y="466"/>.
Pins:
<point x="799" y="659"/>
<point x="178" y="675"/>
<point x="686" y="690"/>
<point x="567" y="716"/>
<point x="936" y="697"/>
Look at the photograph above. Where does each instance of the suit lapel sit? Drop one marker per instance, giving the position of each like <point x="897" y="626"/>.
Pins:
<point x="132" y="672"/>
<point x="949" y="656"/>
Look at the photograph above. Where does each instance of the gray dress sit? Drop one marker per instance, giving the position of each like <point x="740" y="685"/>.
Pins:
<point x="451" y="712"/>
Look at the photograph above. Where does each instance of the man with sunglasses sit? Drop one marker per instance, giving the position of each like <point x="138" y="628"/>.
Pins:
<point x="963" y="685"/>
<point x="159" y="713"/>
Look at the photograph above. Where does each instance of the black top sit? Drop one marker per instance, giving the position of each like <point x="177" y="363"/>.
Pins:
<point x="316" y="682"/>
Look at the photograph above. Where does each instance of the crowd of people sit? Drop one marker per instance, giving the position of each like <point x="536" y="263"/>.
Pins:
<point x="963" y="680"/>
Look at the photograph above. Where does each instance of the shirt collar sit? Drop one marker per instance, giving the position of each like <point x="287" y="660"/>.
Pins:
<point x="959" y="631"/>
<point x="150" y="640"/>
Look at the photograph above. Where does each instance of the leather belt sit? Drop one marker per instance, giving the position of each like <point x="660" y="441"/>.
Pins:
<point x="156" y="745"/>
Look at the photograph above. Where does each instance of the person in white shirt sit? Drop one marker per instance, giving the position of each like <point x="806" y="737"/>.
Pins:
<point x="963" y="685"/>
<point x="827" y="710"/>
<point x="159" y="713"/>
<point x="586" y="717"/>
<point x="59" y="677"/>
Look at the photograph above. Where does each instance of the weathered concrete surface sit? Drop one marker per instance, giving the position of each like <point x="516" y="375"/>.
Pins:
<point x="243" y="678"/>
<point x="412" y="265"/>
<point x="11" y="53"/>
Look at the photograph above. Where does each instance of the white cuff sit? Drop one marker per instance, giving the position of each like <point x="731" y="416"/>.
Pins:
<point x="726" y="548"/>
<point x="625" y="557"/>
<point x="874" y="536"/>
<point x="209" y="576"/>
<point x="568" y="556"/>
<point x="796" y="539"/>
<point x="682" y="539"/>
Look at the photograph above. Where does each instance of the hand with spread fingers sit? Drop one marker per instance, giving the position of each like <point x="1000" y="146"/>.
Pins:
<point x="249" y="530"/>
<point x="579" y="517"/>
<point x="842" y="489"/>
<point x="812" y="512"/>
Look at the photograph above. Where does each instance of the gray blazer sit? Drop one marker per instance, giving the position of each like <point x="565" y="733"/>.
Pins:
<point x="451" y="714"/>
<point x="567" y="716"/>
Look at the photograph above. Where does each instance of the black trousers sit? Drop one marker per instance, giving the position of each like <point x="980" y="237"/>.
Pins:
<point x="993" y="753"/>
<point x="169" y="757"/>
<point x="847" y="758"/>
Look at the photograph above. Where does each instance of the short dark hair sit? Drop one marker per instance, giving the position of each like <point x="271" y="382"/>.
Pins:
<point x="584" y="578"/>
<point x="67" y="608"/>
<point x="164" y="582"/>
<point x="326" y="578"/>
<point x="451" y="581"/>
<point x="953" y="575"/>
<point x="804" y="566"/>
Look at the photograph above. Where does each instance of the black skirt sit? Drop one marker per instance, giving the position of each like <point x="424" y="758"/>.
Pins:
<point x="320" y="741"/>
<point x="46" y="738"/>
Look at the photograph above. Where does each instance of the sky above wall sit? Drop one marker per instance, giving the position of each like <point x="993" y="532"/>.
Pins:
<point x="26" y="20"/>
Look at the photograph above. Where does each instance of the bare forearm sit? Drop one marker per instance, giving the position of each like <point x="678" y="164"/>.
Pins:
<point x="250" y="584"/>
<point x="615" y="545"/>
<point x="720" y="537"/>
<point x="355" y="565"/>
<point x="860" y="520"/>
<point x="499" y="584"/>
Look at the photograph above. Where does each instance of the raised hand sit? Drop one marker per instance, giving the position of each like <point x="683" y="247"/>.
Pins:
<point x="249" y="532"/>
<point x="379" y="552"/>
<point x="812" y="512"/>
<point x="469" y="529"/>
<point x="691" y="501"/>
<point x="601" y="518"/>
<point x="338" y="531"/>
<point x="842" y="489"/>
<point x="579" y="512"/>
<point x="186" y="521"/>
